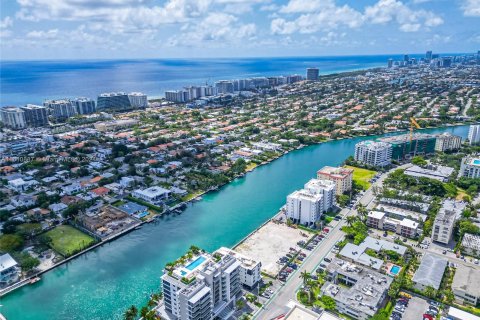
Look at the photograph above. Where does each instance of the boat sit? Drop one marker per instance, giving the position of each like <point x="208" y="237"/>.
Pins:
<point x="138" y="227"/>
<point x="34" y="280"/>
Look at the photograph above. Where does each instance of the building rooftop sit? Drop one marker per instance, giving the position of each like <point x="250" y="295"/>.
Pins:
<point x="471" y="241"/>
<point x="450" y="211"/>
<point x="467" y="278"/>
<point x="301" y="313"/>
<point x="439" y="173"/>
<point x="132" y="207"/>
<point x="357" y="253"/>
<point x="7" y="262"/>
<point x="336" y="172"/>
<point x="430" y="272"/>
<point x="373" y="145"/>
<point x="460" y="314"/>
<point x="406" y="138"/>
<point x="367" y="292"/>
<point x="154" y="191"/>
<point x="246" y="262"/>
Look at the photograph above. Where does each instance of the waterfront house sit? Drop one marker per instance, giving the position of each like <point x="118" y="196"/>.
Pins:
<point x="9" y="270"/>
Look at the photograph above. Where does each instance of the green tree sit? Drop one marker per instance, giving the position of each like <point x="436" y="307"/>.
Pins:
<point x="429" y="292"/>
<point x="131" y="313"/>
<point x="305" y="276"/>
<point x="419" y="161"/>
<point x="328" y="302"/>
<point x="10" y="242"/>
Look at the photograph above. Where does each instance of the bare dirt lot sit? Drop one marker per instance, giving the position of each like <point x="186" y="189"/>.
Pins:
<point x="269" y="243"/>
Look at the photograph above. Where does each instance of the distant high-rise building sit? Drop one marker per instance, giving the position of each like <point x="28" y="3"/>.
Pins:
<point x="224" y="86"/>
<point x="428" y="55"/>
<point x="61" y="109"/>
<point x="13" y="117"/>
<point x="390" y="63"/>
<point x="84" y="105"/>
<point x="446" y="62"/>
<point x="406" y="58"/>
<point x="114" y="101"/>
<point x="138" y="100"/>
<point x="312" y="74"/>
<point x="294" y="78"/>
<point x="175" y="95"/>
<point x="474" y="134"/>
<point x="35" y="116"/>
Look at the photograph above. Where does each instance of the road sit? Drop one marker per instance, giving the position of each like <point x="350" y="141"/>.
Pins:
<point x="277" y="305"/>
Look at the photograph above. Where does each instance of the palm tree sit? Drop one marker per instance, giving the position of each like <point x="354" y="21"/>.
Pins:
<point x="362" y="210"/>
<point x="351" y="220"/>
<point x="305" y="276"/>
<point x="131" y="313"/>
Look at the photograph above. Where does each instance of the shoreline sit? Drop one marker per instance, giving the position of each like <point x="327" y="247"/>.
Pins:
<point x="26" y="281"/>
<point x="218" y="188"/>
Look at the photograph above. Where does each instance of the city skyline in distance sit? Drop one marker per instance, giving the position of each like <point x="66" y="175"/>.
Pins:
<point x="112" y="29"/>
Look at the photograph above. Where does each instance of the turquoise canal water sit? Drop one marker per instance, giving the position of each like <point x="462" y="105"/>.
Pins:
<point x="104" y="282"/>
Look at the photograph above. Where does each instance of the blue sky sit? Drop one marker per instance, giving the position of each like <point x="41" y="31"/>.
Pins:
<point x="83" y="29"/>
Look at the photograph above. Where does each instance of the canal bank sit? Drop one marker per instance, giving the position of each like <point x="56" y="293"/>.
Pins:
<point x="104" y="282"/>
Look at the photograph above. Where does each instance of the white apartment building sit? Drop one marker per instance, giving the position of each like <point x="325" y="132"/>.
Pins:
<point x="250" y="271"/>
<point x="138" y="99"/>
<point x="474" y="134"/>
<point x="154" y="195"/>
<point x="304" y="207"/>
<point x="471" y="245"/>
<point x="377" y="154"/>
<point x="358" y="292"/>
<point x="382" y="221"/>
<point x="470" y="167"/>
<point x="465" y="285"/>
<point x="445" y="220"/>
<point x="13" y="117"/>
<point x="206" y="287"/>
<point x="342" y="177"/>
<point x="326" y="188"/>
<point x="9" y="270"/>
<point x="61" y="109"/>
<point x="447" y="141"/>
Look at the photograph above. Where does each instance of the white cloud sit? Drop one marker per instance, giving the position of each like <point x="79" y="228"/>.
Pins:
<point x="7" y="22"/>
<point x="217" y="27"/>
<point x="303" y="6"/>
<point x="471" y="8"/>
<point x="316" y="15"/>
<point x="41" y="34"/>
<point x="409" y="20"/>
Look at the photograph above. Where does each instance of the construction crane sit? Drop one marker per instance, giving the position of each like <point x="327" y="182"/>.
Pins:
<point x="413" y="124"/>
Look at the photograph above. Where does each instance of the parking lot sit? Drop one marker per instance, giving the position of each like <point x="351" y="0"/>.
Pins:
<point x="270" y="243"/>
<point x="415" y="310"/>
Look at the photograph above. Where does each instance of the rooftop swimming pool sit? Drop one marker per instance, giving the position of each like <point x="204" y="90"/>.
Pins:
<point x="195" y="263"/>
<point x="476" y="162"/>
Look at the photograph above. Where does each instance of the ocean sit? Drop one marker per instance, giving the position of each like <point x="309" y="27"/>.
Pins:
<point x="23" y="82"/>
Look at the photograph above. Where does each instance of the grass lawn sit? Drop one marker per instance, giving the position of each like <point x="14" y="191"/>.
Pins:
<point x="362" y="176"/>
<point x="251" y="166"/>
<point x="29" y="228"/>
<point x="190" y="196"/>
<point x="461" y="194"/>
<point x="67" y="240"/>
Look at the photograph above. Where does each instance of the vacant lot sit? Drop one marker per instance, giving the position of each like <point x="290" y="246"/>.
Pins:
<point x="269" y="243"/>
<point x="362" y="176"/>
<point x="67" y="240"/>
